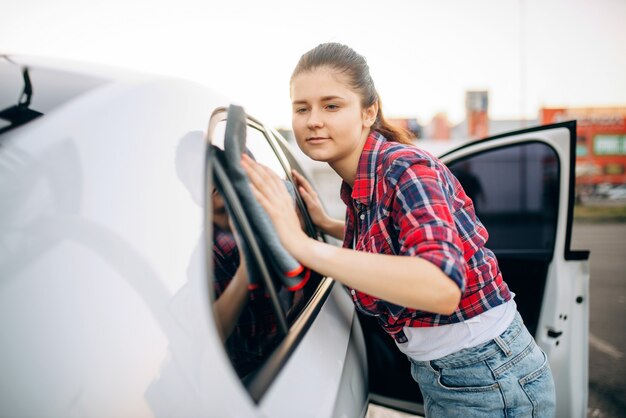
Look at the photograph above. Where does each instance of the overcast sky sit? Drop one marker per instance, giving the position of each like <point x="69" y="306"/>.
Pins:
<point x="423" y="54"/>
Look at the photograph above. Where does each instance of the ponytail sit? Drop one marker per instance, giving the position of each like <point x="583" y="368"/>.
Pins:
<point x="390" y="131"/>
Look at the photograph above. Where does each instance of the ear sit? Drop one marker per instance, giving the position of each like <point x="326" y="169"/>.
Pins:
<point x="369" y="115"/>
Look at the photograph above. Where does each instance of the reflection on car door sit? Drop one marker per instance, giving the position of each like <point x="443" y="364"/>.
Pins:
<point x="522" y="185"/>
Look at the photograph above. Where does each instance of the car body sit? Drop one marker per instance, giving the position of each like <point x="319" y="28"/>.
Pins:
<point x="617" y="192"/>
<point x="610" y="191"/>
<point x="108" y="299"/>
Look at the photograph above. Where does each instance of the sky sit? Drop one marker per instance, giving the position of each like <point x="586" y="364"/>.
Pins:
<point x="423" y="54"/>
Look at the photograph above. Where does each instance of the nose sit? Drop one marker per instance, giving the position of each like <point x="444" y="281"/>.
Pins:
<point x="315" y="120"/>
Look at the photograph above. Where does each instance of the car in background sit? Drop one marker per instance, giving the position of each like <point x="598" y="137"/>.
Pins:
<point x="617" y="193"/>
<point x="610" y="191"/>
<point x="122" y="236"/>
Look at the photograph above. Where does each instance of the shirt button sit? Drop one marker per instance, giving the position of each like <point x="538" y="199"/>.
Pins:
<point x="362" y="216"/>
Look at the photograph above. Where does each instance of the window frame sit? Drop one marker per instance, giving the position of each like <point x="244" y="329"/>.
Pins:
<point x="293" y="333"/>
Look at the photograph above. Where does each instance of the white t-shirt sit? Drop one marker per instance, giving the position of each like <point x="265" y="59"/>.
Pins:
<point x="431" y="343"/>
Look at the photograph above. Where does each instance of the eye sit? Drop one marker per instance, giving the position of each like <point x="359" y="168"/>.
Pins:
<point x="332" y="106"/>
<point x="300" y="110"/>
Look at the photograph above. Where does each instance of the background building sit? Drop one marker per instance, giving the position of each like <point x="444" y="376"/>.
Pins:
<point x="600" y="145"/>
<point x="477" y="113"/>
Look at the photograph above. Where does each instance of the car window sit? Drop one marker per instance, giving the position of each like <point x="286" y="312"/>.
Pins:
<point x="515" y="193"/>
<point x="242" y="308"/>
<point x="295" y="165"/>
<point x="256" y="143"/>
<point x="265" y="307"/>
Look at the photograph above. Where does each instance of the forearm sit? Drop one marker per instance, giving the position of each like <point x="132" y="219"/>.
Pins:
<point x="406" y="281"/>
<point x="334" y="228"/>
<point x="231" y="302"/>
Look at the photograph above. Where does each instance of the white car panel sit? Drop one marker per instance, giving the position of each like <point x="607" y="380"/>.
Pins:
<point x="567" y="282"/>
<point x="105" y="310"/>
<point x="310" y="383"/>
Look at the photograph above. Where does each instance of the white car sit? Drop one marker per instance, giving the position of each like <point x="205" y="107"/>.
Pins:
<point x="117" y="209"/>
<point x="617" y="192"/>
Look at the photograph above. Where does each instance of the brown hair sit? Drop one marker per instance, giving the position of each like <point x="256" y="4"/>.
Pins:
<point x="346" y="61"/>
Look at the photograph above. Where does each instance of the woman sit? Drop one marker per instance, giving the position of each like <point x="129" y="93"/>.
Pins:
<point x="413" y="251"/>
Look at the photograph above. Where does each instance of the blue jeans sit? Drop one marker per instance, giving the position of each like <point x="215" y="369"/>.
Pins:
<point x="508" y="376"/>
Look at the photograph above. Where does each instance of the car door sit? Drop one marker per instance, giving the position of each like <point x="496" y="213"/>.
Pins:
<point x="522" y="185"/>
<point x="297" y="351"/>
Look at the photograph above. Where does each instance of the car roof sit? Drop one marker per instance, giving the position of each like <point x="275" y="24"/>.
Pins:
<point x="31" y="86"/>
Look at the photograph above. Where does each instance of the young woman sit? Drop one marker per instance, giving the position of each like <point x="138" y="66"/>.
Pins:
<point x="413" y="251"/>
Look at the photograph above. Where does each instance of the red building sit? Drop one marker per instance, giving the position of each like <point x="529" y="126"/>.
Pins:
<point x="440" y="127"/>
<point x="477" y="113"/>
<point x="600" y="143"/>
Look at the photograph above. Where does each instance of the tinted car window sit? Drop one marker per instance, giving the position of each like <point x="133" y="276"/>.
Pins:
<point x="515" y="192"/>
<point x="256" y="330"/>
<point x="242" y="308"/>
<point x="257" y="145"/>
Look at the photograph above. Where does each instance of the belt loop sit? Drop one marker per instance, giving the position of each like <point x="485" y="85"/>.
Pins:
<point x="401" y="337"/>
<point x="503" y="346"/>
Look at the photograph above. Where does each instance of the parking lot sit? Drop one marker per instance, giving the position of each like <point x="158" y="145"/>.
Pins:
<point x="607" y="340"/>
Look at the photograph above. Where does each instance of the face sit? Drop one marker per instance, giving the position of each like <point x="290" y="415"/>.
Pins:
<point x="328" y="120"/>
<point x="220" y="215"/>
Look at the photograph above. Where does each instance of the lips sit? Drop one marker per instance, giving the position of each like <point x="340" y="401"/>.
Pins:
<point x="316" y="139"/>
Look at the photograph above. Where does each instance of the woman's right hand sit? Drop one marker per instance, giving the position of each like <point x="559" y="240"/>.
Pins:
<point x="318" y="215"/>
<point x="271" y="193"/>
<point x="314" y="205"/>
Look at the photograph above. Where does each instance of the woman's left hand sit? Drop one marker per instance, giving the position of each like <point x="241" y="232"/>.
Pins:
<point x="271" y="193"/>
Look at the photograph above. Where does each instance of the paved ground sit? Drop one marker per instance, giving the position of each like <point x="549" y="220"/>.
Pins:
<point x="375" y="411"/>
<point x="607" y="342"/>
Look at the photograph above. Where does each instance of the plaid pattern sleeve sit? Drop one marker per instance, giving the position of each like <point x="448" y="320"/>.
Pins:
<point x="423" y="216"/>
<point x="406" y="202"/>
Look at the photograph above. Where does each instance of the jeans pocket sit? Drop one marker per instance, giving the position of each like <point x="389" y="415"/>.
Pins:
<point x="473" y="378"/>
<point x="539" y="388"/>
<point x="466" y="391"/>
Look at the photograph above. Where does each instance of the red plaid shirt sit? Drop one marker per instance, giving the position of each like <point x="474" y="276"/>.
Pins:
<point x="407" y="202"/>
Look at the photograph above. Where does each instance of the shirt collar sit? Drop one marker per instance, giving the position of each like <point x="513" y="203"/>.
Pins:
<point x="363" y="189"/>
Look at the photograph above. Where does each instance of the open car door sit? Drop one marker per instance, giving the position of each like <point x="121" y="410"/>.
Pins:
<point x="522" y="185"/>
